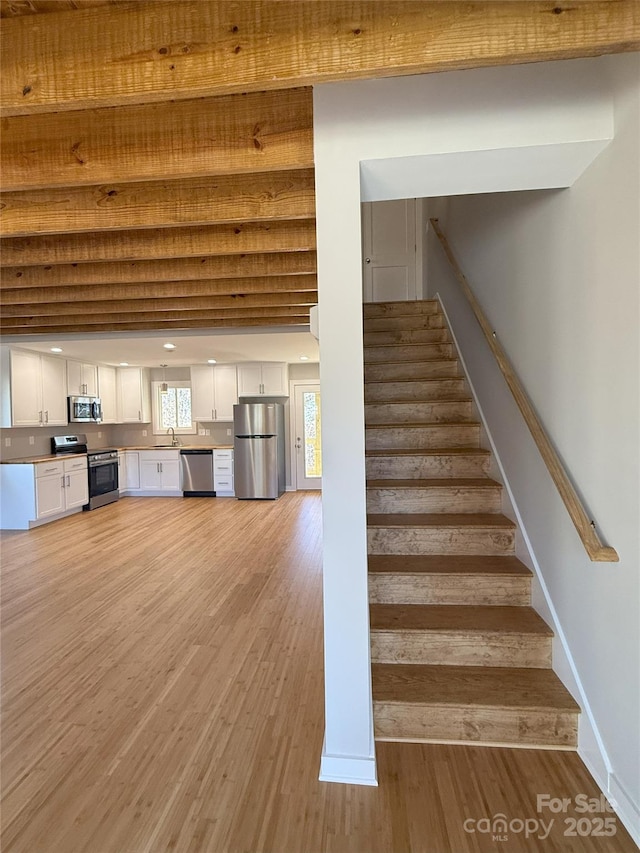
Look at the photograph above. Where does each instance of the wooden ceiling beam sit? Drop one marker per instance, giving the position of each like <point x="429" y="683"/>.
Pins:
<point x="159" y="290"/>
<point x="235" y="198"/>
<point x="178" y="242"/>
<point x="182" y="269"/>
<point x="176" y="303"/>
<point x="150" y="52"/>
<point x="239" y="323"/>
<point x="258" y="132"/>
<point x="17" y="323"/>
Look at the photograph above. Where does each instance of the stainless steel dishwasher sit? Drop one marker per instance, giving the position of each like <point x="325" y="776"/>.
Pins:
<point x="196" y="473"/>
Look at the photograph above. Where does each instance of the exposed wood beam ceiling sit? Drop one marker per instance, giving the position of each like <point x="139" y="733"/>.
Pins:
<point x="158" y="156"/>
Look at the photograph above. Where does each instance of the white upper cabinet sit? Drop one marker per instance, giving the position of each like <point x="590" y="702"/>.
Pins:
<point x="34" y="390"/>
<point x="82" y="379"/>
<point x="263" y="379"/>
<point x="107" y="393"/>
<point x="214" y="390"/>
<point x="134" y="400"/>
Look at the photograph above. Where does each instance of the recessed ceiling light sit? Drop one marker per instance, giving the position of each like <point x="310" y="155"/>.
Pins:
<point x="169" y="346"/>
<point x="124" y="364"/>
<point x="304" y="358"/>
<point x="56" y="349"/>
<point x="211" y="361"/>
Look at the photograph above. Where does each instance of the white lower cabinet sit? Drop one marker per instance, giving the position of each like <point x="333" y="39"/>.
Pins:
<point x="33" y="494"/>
<point x="153" y="473"/>
<point x="223" y="473"/>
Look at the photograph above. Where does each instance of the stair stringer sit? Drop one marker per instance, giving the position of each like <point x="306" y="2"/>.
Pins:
<point x="591" y="748"/>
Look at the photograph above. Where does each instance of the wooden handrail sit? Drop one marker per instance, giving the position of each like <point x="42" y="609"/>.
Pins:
<point x="586" y="528"/>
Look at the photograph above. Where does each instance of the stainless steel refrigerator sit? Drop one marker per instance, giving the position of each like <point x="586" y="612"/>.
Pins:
<point x="258" y="450"/>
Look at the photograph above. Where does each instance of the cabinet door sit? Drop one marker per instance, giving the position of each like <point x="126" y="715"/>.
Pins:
<point x="26" y="389"/>
<point x="54" y="391"/>
<point x="75" y="381"/>
<point x="90" y="379"/>
<point x="249" y="379"/>
<point x="130" y="395"/>
<point x="132" y="470"/>
<point x="274" y="379"/>
<point x="225" y="385"/>
<point x="202" y="393"/>
<point x="170" y="474"/>
<point x="107" y="393"/>
<point x="150" y="474"/>
<point x="122" y="472"/>
<point x="76" y="491"/>
<point x="49" y="495"/>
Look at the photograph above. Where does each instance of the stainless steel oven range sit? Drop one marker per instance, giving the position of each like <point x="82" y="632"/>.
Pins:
<point x="102" y="467"/>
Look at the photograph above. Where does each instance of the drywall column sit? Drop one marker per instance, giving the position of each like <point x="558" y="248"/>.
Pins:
<point x="348" y="754"/>
<point x="489" y="130"/>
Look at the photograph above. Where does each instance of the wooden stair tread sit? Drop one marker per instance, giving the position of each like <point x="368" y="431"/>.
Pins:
<point x="437" y="519"/>
<point x="436" y="483"/>
<point x="446" y="564"/>
<point x="480" y="687"/>
<point x="416" y="381"/>
<point x="442" y="451"/>
<point x="421" y="424"/>
<point x="415" y="401"/>
<point x="502" y="619"/>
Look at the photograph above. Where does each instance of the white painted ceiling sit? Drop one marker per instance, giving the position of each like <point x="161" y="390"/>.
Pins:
<point x="146" y="350"/>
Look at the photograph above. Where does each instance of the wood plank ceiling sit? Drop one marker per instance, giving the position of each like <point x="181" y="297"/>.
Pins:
<point x="157" y="157"/>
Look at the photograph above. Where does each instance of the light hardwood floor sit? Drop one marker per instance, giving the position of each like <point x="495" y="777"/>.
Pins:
<point x="162" y="678"/>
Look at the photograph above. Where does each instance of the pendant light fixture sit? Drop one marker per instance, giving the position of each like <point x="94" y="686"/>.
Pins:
<point x="164" y="387"/>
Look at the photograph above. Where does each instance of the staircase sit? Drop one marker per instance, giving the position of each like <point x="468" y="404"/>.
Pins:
<point x="458" y="654"/>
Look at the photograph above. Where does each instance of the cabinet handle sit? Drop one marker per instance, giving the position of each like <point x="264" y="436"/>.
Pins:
<point x="63" y="481"/>
<point x="40" y="417"/>
<point x="213" y="414"/>
<point x="161" y="467"/>
<point x="139" y="415"/>
<point x="69" y="480"/>
<point x="46" y="414"/>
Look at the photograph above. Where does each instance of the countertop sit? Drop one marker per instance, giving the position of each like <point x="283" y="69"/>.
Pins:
<point x="32" y="460"/>
<point x="57" y="457"/>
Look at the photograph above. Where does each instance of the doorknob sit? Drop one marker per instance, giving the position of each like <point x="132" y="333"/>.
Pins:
<point x="367" y="260"/>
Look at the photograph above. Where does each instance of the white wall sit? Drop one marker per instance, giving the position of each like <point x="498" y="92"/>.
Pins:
<point x="558" y="274"/>
<point x="563" y="106"/>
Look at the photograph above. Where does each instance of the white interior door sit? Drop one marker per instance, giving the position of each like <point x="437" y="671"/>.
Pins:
<point x="389" y="250"/>
<point x="307" y="436"/>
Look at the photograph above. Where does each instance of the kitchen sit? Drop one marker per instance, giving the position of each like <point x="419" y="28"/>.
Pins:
<point x="39" y="377"/>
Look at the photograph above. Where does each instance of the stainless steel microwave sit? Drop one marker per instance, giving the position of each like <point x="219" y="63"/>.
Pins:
<point x="85" y="410"/>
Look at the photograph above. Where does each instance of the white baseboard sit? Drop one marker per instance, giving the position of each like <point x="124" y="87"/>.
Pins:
<point x="348" y="769"/>
<point x="627" y="810"/>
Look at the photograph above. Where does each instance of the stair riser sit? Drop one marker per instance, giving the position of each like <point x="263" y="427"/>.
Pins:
<point x="425" y="467"/>
<point x="419" y="413"/>
<point x="407" y="323"/>
<point x="407" y="352"/>
<point x="423" y="438"/>
<point x="496" y="726"/>
<point x="474" y="590"/>
<point x="406" y="336"/>
<point x="411" y="370"/>
<point x="462" y="499"/>
<point x="395" y="309"/>
<point x="435" y="389"/>
<point x="440" y="540"/>
<point x="460" y="648"/>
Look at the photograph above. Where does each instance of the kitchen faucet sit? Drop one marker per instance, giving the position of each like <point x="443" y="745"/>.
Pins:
<point x="174" y="441"/>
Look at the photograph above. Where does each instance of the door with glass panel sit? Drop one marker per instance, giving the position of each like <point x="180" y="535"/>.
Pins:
<point x="307" y="436"/>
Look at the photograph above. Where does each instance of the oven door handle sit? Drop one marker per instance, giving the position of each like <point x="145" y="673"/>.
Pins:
<point x="95" y="412"/>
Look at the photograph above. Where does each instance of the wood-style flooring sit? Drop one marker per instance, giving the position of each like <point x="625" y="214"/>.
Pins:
<point x="162" y="691"/>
